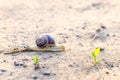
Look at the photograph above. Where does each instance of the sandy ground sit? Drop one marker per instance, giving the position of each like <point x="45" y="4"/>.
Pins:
<point x="80" y="25"/>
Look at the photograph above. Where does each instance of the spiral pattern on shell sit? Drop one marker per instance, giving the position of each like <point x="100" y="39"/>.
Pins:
<point x="44" y="41"/>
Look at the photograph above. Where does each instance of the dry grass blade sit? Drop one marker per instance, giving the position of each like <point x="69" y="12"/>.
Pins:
<point x="35" y="49"/>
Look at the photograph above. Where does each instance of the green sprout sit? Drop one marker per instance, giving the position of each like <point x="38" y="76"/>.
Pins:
<point x="36" y="60"/>
<point x="95" y="53"/>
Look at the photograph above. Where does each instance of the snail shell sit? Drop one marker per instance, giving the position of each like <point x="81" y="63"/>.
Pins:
<point x="45" y="41"/>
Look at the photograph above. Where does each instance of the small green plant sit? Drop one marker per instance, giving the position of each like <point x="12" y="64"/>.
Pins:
<point x="36" y="60"/>
<point x="95" y="53"/>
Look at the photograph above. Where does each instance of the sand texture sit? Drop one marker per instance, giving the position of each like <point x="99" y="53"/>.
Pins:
<point x="79" y="25"/>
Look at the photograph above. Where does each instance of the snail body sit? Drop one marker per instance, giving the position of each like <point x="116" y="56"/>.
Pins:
<point x="45" y="41"/>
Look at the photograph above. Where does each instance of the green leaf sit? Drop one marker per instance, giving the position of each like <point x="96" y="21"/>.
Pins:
<point x="96" y="52"/>
<point x="36" y="59"/>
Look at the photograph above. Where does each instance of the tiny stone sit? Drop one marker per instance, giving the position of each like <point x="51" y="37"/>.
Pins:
<point x="35" y="77"/>
<point x="78" y="36"/>
<point x="103" y="27"/>
<point x="51" y="56"/>
<point x="101" y="49"/>
<point x="24" y="46"/>
<point x="111" y="65"/>
<point x="95" y="4"/>
<point x="70" y="65"/>
<point x="36" y="67"/>
<point x="83" y="27"/>
<point x="46" y="74"/>
<point x="25" y="60"/>
<point x="107" y="35"/>
<point x="21" y="64"/>
<point x="4" y="60"/>
<point x="107" y="72"/>
<point x="113" y="35"/>
<point x="16" y="64"/>
<point x="43" y="66"/>
<point x="2" y="70"/>
<point x="24" y="66"/>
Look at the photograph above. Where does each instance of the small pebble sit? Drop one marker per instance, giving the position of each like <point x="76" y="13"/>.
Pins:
<point x="49" y="74"/>
<point x="35" y="77"/>
<point x="16" y="64"/>
<point x="113" y="35"/>
<point x="25" y="60"/>
<point x="2" y="70"/>
<point x="107" y="72"/>
<point x="78" y="36"/>
<point x="70" y="65"/>
<point x="96" y="5"/>
<point x="36" y="67"/>
<point x="24" y="66"/>
<point x="4" y="60"/>
<point x="101" y="49"/>
<point x="103" y="27"/>
<point x="21" y="64"/>
<point x="24" y="46"/>
<point x="107" y="35"/>
<point x="43" y="66"/>
<point x="46" y="74"/>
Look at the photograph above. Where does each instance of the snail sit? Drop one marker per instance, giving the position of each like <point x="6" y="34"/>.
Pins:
<point x="45" y="41"/>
